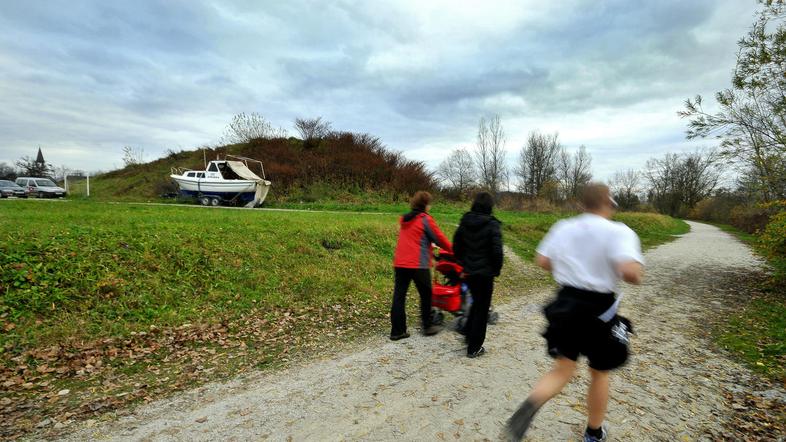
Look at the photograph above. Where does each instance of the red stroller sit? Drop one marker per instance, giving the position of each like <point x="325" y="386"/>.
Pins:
<point x="450" y="293"/>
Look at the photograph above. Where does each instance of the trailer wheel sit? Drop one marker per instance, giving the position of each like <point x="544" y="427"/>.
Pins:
<point x="205" y="201"/>
<point x="215" y="202"/>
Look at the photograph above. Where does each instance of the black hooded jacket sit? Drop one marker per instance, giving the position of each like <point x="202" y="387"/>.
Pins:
<point x="477" y="244"/>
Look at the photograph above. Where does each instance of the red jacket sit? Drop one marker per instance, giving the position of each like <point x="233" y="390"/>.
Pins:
<point x="418" y="232"/>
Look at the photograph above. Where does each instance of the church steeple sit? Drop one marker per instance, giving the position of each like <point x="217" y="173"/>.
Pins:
<point x="40" y="158"/>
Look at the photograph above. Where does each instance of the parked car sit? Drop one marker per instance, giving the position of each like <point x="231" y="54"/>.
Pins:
<point x="10" y="188"/>
<point x="41" y="187"/>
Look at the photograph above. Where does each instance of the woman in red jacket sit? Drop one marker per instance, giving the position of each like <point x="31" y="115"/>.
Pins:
<point x="412" y="262"/>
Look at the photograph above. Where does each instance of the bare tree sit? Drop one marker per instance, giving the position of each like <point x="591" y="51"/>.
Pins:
<point x="490" y="154"/>
<point x="7" y="172"/>
<point x="312" y="129"/>
<point x="33" y="167"/>
<point x="678" y="182"/>
<point x="573" y="171"/>
<point x="663" y="177"/>
<point x="133" y="155"/>
<point x="626" y="188"/>
<point x="700" y="175"/>
<point x="59" y="172"/>
<point x="458" y="171"/>
<point x="246" y="127"/>
<point x="538" y="162"/>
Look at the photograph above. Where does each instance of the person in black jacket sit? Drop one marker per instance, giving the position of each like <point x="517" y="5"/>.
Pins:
<point x="477" y="244"/>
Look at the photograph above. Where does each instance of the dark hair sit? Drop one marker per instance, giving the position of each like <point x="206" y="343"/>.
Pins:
<point x="420" y="200"/>
<point x="595" y="196"/>
<point x="483" y="203"/>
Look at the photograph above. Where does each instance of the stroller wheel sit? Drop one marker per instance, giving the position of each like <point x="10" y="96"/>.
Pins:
<point x="461" y="325"/>
<point x="437" y="317"/>
<point x="493" y="317"/>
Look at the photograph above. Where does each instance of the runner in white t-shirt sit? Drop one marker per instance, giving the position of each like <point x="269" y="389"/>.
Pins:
<point x="587" y="255"/>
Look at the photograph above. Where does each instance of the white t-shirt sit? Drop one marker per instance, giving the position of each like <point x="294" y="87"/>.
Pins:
<point x="585" y="250"/>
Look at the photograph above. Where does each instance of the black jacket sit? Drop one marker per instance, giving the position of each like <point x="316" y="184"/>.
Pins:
<point x="477" y="244"/>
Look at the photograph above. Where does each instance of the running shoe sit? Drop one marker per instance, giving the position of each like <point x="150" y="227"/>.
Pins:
<point x="603" y="438"/>
<point x="518" y="424"/>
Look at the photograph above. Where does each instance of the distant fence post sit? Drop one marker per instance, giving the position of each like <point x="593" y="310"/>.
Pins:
<point x="88" y="184"/>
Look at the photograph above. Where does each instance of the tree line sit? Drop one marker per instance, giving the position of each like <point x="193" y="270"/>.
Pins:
<point x="545" y="168"/>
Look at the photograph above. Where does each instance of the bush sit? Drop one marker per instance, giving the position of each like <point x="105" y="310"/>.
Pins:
<point x="714" y="209"/>
<point x="646" y="208"/>
<point x="773" y="243"/>
<point x="519" y="202"/>
<point x="749" y="219"/>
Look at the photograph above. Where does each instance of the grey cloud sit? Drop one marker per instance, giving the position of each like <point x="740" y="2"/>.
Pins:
<point x="162" y="73"/>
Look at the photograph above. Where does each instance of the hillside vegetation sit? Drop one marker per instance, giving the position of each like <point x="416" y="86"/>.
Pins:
<point x="339" y="166"/>
<point x="119" y="302"/>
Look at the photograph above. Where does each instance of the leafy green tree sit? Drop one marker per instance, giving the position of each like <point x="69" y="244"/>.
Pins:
<point x="751" y="122"/>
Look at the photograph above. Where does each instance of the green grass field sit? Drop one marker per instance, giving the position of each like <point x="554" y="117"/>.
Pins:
<point x="81" y="270"/>
<point x="100" y="298"/>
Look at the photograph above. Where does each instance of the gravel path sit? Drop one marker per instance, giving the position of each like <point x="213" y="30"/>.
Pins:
<point x="425" y="389"/>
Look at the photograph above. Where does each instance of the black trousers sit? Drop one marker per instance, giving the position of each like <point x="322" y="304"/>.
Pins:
<point x="398" y="315"/>
<point x="481" y="288"/>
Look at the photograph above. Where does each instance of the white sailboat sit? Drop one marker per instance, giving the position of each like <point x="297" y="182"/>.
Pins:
<point x="228" y="180"/>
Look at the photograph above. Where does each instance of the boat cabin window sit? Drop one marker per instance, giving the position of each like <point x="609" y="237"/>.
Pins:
<point x="191" y="174"/>
<point x="212" y="168"/>
<point x="227" y="172"/>
<point x="201" y="175"/>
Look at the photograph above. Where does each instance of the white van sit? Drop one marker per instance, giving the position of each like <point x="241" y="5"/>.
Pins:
<point x="41" y="187"/>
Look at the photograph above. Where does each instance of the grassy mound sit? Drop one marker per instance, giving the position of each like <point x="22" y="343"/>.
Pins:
<point x="343" y="166"/>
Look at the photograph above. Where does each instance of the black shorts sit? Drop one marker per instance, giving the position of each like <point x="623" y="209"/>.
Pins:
<point x="574" y="329"/>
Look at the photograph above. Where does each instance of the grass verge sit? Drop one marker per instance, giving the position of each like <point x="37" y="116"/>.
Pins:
<point x="756" y="331"/>
<point x="103" y="305"/>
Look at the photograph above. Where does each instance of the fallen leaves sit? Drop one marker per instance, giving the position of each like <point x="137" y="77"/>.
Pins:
<point x="78" y="380"/>
<point x="755" y="417"/>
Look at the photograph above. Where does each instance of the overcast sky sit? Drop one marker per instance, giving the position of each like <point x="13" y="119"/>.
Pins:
<point x="82" y="79"/>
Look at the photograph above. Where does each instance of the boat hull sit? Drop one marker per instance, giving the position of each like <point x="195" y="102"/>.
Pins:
<point x="242" y="197"/>
<point x="208" y="186"/>
<point x="253" y="193"/>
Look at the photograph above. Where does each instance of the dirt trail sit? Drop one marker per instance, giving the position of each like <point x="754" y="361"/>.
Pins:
<point x="425" y="389"/>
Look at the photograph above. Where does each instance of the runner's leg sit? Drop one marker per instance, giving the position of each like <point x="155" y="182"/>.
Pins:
<point x="597" y="398"/>
<point x="547" y="387"/>
<point x="554" y="381"/>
